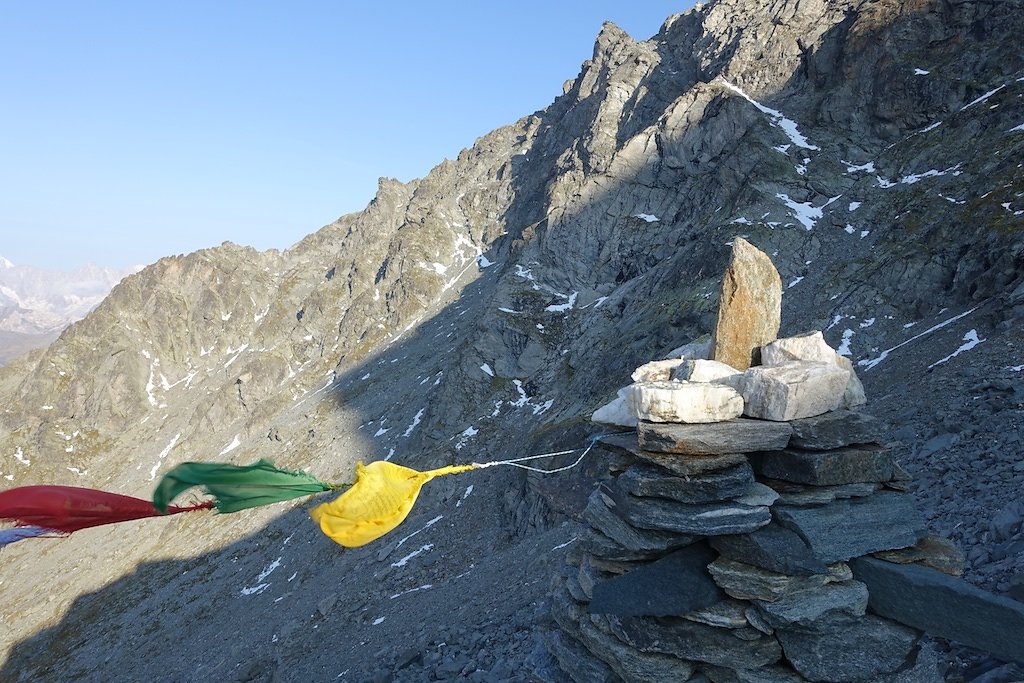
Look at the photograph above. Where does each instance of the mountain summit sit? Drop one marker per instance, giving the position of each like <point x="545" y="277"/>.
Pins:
<point x="872" y="149"/>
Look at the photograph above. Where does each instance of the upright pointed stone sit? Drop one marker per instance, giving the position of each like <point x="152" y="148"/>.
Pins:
<point x="749" y="308"/>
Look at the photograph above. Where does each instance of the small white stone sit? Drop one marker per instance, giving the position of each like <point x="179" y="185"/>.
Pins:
<point x="703" y="371"/>
<point x="686" y="402"/>
<point x="617" y="412"/>
<point x="793" y="390"/>
<point x="655" y="370"/>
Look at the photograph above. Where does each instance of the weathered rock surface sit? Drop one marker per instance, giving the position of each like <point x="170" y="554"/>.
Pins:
<point x="827" y="468"/>
<point x="656" y="370"/>
<point x="793" y="390"/>
<point x="836" y="429"/>
<point x="803" y="495"/>
<point x="944" y="606"/>
<point x="672" y="586"/>
<point x="749" y="306"/>
<point x="847" y="650"/>
<point x="747" y="582"/>
<point x="931" y="551"/>
<point x="741" y="435"/>
<point x="682" y="465"/>
<point x="690" y="402"/>
<point x="600" y="516"/>
<point x="851" y="528"/>
<point x="682" y="518"/>
<point x="652" y="481"/>
<point x="848" y="599"/>
<point x="773" y="548"/>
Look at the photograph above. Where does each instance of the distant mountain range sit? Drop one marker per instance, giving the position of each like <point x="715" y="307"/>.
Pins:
<point x="36" y="304"/>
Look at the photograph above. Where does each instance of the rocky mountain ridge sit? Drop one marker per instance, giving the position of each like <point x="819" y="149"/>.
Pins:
<point x="485" y="310"/>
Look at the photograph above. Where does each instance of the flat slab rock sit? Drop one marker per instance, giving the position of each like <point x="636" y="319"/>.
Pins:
<point x="804" y="495"/>
<point x="850" y="528"/>
<point x="599" y="515"/>
<point x="836" y="429"/>
<point x="827" y="468"/>
<point x="934" y="551"/>
<point x="690" y="402"/>
<point x="682" y="465"/>
<point x="653" y="481"/>
<point x="704" y="520"/>
<point x="773" y="548"/>
<point x="675" y="585"/>
<point x="944" y="606"/>
<point x="847" y="599"/>
<point x="747" y="582"/>
<point x="742" y="435"/>
<point x="693" y="641"/>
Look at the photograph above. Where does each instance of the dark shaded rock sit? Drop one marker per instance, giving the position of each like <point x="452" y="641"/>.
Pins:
<point x="589" y="577"/>
<point x="657" y="482"/>
<point x="598" y="545"/>
<point x="632" y="664"/>
<point x="931" y="551"/>
<point x="846" y="599"/>
<point x="802" y="495"/>
<point x="923" y="667"/>
<point x="836" y="429"/>
<point x="846" y="650"/>
<point x="845" y="529"/>
<point x="944" y="606"/>
<point x="572" y="585"/>
<point x="576" y="661"/>
<point x="746" y="582"/>
<point x="768" y="674"/>
<point x="689" y="640"/>
<point x="826" y="468"/>
<point x="742" y="435"/>
<point x="672" y="586"/>
<point x="682" y="465"/>
<point x="704" y="520"/>
<point x="600" y="516"/>
<point x="771" y="547"/>
<point x="617" y="567"/>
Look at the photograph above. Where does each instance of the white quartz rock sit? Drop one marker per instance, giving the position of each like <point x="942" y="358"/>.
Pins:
<point x="687" y="402"/>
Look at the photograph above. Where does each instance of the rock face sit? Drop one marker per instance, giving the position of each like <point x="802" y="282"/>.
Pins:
<point x="749" y="307"/>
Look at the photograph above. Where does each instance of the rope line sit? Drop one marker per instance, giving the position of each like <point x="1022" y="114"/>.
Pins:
<point x="515" y="462"/>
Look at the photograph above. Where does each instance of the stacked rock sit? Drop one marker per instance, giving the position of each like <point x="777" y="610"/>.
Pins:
<point x="721" y="552"/>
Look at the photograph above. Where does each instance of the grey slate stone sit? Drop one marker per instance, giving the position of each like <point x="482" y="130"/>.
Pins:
<point x="689" y="640"/>
<point x="922" y="668"/>
<point x="845" y="528"/>
<point x="599" y="515"/>
<point x="802" y="495"/>
<point x="771" y="547"/>
<point x="742" y="435"/>
<point x="826" y="468"/>
<point x="682" y="465"/>
<point x="652" y="481"/>
<point x="703" y="520"/>
<point x="836" y="429"/>
<point x="944" y="606"/>
<point x="728" y="613"/>
<point x="747" y="582"/>
<point x="632" y="664"/>
<point x="598" y="545"/>
<point x="576" y="661"/>
<point x="847" y="650"/>
<point x="675" y="585"/>
<point x="846" y="599"/>
<point x="768" y="674"/>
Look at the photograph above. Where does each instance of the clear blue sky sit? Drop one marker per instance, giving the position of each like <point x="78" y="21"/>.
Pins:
<point x="134" y="130"/>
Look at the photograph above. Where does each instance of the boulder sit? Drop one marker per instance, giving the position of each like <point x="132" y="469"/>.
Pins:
<point x="617" y="412"/>
<point x="656" y="370"/>
<point x="690" y="402"/>
<point x="749" y="307"/>
<point x="793" y="390"/>
<point x="741" y="435"/>
<point x="813" y="347"/>
<point x="702" y="371"/>
<point x="836" y="429"/>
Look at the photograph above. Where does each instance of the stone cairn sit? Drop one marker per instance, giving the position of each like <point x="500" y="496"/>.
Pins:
<point x="756" y="531"/>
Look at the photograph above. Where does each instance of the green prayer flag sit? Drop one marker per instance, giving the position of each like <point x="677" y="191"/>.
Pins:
<point x="237" y="487"/>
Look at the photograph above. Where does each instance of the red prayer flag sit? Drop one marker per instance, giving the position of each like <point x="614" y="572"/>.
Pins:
<point x="70" y="508"/>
